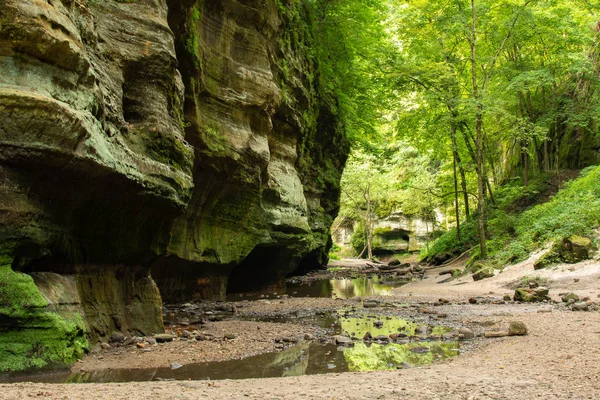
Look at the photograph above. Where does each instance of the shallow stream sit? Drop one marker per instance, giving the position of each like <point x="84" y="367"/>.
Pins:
<point x="417" y="345"/>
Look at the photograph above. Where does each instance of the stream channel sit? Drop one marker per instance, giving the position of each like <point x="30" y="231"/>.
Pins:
<point x="411" y="345"/>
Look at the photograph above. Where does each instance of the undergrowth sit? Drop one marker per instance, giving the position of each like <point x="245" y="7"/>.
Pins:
<point x="516" y="226"/>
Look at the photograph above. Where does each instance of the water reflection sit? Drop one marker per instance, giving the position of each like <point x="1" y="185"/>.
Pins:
<point x="343" y="288"/>
<point x="416" y="345"/>
<point x="304" y="359"/>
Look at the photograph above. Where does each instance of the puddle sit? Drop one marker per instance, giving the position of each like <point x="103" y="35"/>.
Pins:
<point x="417" y="345"/>
<point x="377" y="325"/>
<point x="330" y="288"/>
<point x="305" y="359"/>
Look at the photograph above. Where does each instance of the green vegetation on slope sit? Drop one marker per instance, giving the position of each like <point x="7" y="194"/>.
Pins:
<point x="574" y="210"/>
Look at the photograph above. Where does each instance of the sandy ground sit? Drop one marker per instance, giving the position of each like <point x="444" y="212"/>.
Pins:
<point x="582" y="278"/>
<point x="558" y="359"/>
<point x="248" y="338"/>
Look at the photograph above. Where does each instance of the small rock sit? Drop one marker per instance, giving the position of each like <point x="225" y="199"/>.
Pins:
<point x="495" y="334"/>
<point x="517" y="328"/>
<point x="230" y="336"/>
<point x="176" y="366"/>
<point x="465" y="333"/>
<point x="580" y="306"/>
<point x="378" y="324"/>
<point x="150" y="340"/>
<point x="367" y="337"/>
<point x="105" y="346"/>
<point x="569" y="296"/>
<point x="140" y="345"/>
<point x="370" y="304"/>
<point x="404" y="365"/>
<point x="186" y="334"/>
<point x="472" y="300"/>
<point x="382" y="338"/>
<point x="343" y="340"/>
<point x="420" y="350"/>
<point x="117" y="337"/>
<point x="422" y="330"/>
<point x="163" y="338"/>
<point x="507" y="297"/>
<point x="309" y="336"/>
<point x="444" y="301"/>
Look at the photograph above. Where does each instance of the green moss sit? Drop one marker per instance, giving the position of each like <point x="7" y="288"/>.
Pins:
<point x="191" y="41"/>
<point x="30" y="335"/>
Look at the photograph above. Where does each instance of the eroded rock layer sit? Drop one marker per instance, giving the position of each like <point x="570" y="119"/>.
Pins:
<point x="177" y="142"/>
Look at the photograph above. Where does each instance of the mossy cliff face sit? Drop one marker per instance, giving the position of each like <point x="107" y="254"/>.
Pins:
<point x="180" y="139"/>
<point x="269" y="151"/>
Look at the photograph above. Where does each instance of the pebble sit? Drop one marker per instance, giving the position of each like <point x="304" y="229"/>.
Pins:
<point x="517" y="328"/>
<point x="465" y="333"/>
<point x="117" y="337"/>
<point x="163" y="338"/>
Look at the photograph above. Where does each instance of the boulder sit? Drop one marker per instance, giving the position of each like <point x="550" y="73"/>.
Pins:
<point x="531" y="295"/>
<point x="575" y="248"/>
<point x="484" y="273"/>
<point x="569" y="250"/>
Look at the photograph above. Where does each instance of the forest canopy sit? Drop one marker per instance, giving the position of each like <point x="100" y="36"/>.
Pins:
<point x="476" y="108"/>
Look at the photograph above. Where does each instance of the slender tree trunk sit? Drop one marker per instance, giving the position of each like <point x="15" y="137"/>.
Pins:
<point x="369" y="223"/>
<point x="525" y="156"/>
<point x="478" y="138"/>
<point x="455" y="156"/>
<point x="463" y="183"/>
<point x="545" y="144"/>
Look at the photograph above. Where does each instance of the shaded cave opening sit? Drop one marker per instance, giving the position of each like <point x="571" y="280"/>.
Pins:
<point x="264" y="269"/>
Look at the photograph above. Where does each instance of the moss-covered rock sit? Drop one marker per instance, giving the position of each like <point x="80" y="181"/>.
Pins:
<point x="531" y="295"/>
<point x="569" y="250"/>
<point x="484" y="273"/>
<point x="31" y="335"/>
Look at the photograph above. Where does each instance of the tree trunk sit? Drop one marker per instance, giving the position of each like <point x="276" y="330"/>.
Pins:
<point x="478" y="138"/>
<point x="455" y="156"/>
<point x="369" y="223"/>
<point x="525" y="157"/>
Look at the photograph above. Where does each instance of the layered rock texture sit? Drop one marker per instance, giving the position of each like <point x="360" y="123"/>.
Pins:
<point x="179" y="142"/>
<point x="394" y="234"/>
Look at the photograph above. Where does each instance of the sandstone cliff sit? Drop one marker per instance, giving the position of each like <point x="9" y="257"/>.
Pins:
<point x="182" y="142"/>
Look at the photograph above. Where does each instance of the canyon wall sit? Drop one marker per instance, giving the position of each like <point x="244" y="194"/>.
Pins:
<point x="153" y="147"/>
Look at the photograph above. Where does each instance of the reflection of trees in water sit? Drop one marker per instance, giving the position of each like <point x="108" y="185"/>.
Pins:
<point x="347" y="289"/>
<point x="360" y="326"/>
<point x="381" y="357"/>
<point x="293" y="361"/>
